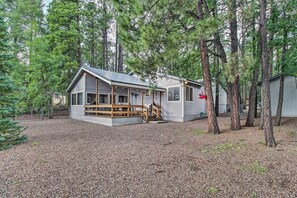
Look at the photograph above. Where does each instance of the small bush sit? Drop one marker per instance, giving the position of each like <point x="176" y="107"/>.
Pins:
<point x="212" y="190"/>
<point x="292" y="133"/>
<point x="256" y="167"/>
<point x="199" y="132"/>
<point x="227" y="146"/>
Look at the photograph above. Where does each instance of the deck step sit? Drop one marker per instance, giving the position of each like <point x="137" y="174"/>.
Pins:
<point x="158" y="122"/>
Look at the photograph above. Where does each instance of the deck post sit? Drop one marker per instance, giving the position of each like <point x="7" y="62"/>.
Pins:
<point x="112" y="99"/>
<point x="142" y="100"/>
<point x="153" y="92"/>
<point x="97" y="95"/>
<point x="160" y="98"/>
<point x="129" y="94"/>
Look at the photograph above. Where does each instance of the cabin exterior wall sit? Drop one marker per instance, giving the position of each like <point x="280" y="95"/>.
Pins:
<point x="290" y="96"/>
<point x="78" y="111"/>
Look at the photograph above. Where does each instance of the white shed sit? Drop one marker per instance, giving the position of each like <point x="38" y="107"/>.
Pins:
<point x="290" y="96"/>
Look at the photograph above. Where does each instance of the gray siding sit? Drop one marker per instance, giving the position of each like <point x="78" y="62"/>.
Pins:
<point x="195" y="107"/>
<point x="77" y="111"/>
<point x="171" y="110"/>
<point x="290" y="97"/>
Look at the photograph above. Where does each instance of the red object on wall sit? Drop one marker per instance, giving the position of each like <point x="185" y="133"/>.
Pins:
<point x="201" y="96"/>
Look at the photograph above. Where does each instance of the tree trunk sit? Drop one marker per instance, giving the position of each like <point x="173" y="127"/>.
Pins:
<point x="116" y="50"/>
<point x="282" y="79"/>
<point x="280" y="101"/>
<point x="212" y="119"/>
<point x="252" y="112"/>
<point x="79" y="51"/>
<point x="235" y="116"/>
<point x="105" y="37"/>
<point x="268" y="128"/>
<point x="217" y="105"/>
<point x="253" y="98"/>
<point x="120" y="59"/>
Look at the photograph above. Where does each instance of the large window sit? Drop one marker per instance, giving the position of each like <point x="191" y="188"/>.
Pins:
<point x="173" y="94"/>
<point x="91" y="98"/>
<point x="73" y="99"/>
<point x="147" y="92"/>
<point x="103" y="98"/>
<point x="79" y="98"/>
<point x="123" y="99"/>
<point x="189" y="93"/>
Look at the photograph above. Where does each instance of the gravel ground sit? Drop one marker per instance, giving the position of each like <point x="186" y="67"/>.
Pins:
<point x="69" y="158"/>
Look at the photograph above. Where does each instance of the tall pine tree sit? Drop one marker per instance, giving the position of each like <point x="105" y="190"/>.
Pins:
<point x="10" y="131"/>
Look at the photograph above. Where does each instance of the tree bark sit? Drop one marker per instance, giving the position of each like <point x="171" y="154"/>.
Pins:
<point x="212" y="119"/>
<point x="79" y="50"/>
<point x="235" y="114"/>
<point x="105" y="37"/>
<point x="253" y="98"/>
<point x="268" y="128"/>
<point x="120" y="59"/>
<point x="252" y="112"/>
<point x="282" y="78"/>
<point x="280" y="100"/>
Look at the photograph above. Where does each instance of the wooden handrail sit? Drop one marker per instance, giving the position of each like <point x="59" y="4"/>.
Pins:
<point x="117" y="110"/>
<point x="156" y="110"/>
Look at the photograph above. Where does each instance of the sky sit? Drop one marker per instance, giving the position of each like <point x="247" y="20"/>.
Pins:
<point x="46" y="2"/>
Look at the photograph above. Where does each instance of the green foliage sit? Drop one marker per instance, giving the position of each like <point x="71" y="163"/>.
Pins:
<point x="10" y="131"/>
<point x="227" y="146"/>
<point x="212" y="190"/>
<point x="199" y="132"/>
<point x="256" y="167"/>
<point x="64" y="38"/>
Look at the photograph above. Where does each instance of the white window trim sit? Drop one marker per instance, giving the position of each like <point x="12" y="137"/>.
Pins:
<point x="190" y="101"/>
<point x="180" y="95"/>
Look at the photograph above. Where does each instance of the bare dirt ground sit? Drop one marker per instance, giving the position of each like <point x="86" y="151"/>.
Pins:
<point x="69" y="158"/>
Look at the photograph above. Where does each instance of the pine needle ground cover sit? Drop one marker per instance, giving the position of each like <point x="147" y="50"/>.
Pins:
<point x="70" y="158"/>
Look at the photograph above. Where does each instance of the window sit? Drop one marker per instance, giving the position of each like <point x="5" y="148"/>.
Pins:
<point x="103" y="99"/>
<point x="189" y="93"/>
<point x="91" y="98"/>
<point x="123" y="99"/>
<point x="79" y="98"/>
<point x="173" y="94"/>
<point x="147" y="93"/>
<point x="73" y="99"/>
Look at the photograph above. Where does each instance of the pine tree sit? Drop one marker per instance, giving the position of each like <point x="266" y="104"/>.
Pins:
<point x="10" y="131"/>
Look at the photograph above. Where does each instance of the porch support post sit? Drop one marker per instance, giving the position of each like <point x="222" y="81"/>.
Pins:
<point x="153" y="96"/>
<point x="129" y="93"/>
<point x="112" y="99"/>
<point x="142" y="99"/>
<point x="160" y="98"/>
<point x="97" y="95"/>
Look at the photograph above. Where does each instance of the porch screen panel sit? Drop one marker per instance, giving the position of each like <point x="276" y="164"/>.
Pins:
<point x="189" y="94"/>
<point x="123" y="99"/>
<point x="173" y="94"/>
<point x="73" y="99"/>
<point x="103" y="99"/>
<point x="91" y="98"/>
<point x="79" y="98"/>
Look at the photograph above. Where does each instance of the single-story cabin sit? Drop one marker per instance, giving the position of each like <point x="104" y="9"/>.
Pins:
<point x="112" y="98"/>
<point x="290" y="95"/>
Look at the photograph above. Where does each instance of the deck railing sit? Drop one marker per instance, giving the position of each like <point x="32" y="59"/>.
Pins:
<point x="156" y="111"/>
<point x="117" y="110"/>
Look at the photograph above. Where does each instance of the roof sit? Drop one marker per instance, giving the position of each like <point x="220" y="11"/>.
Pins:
<point x="273" y="78"/>
<point x="193" y="82"/>
<point x="112" y="78"/>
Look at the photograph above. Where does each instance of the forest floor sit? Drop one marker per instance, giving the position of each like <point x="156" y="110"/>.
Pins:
<point x="69" y="158"/>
